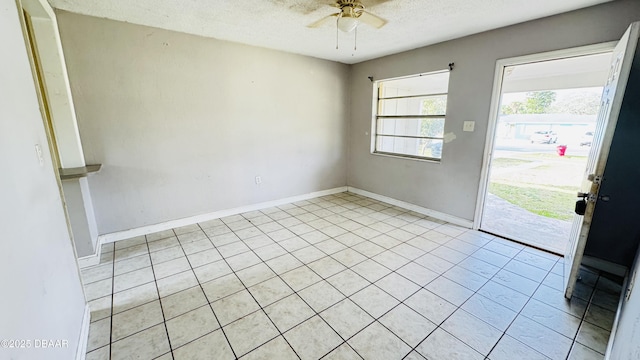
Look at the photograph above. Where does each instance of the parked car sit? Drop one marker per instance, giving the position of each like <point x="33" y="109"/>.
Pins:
<point x="544" y="137"/>
<point x="586" y="139"/>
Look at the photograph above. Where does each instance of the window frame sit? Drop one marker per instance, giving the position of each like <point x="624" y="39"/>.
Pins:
<point x="375" y="117"/>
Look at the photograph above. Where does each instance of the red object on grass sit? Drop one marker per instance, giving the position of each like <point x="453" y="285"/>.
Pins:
<point x="561" y="149"/>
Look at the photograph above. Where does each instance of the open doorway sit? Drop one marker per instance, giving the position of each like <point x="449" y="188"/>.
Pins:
<point x="539" y="141"/>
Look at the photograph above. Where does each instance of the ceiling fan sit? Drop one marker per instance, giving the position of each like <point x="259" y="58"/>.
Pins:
<point x="352" y="14"/>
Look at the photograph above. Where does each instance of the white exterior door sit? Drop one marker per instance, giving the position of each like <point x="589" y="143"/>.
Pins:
<point x="611" y="102"/>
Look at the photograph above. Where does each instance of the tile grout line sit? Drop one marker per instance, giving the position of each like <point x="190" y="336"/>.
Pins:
<point x="112" y="299"/>
<point x="137" y="306"/>
<point x="503" y="333"/>
<point x="375" y="320"/>
<point x="155" y="280"/>
<point x="164" y="319"/>
<point x="439" y="326"/>
<point x="370" y="283"/>
<point x="234" y="271"/>
<point x="113" y="280"/>
<point x="529" y="298"/>
<point x="440" y="245"/>
<point x="350" y="218"/>
<point x="584" y="316"/>
<point x="252" y="296"/>
<point x="344" y="341"/>
<point x="296" y="292"/>
<point x="420" y="287"/>
<point x="393" y="271"/>
<point x="366" y="257"/>
<point x="208" y="302"/>
<point x="574" y="338"/>
<point x="476" y="291"/>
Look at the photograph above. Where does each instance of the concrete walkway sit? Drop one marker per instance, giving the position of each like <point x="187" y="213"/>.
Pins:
<point x="505" y="219"/>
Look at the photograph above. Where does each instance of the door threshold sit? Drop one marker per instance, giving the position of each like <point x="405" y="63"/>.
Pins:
<point x="522" y="243"/>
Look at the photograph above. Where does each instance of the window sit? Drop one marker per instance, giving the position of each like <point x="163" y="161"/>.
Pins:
<point x="410" y="115"/>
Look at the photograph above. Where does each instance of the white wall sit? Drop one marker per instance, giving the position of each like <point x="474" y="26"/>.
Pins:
<point x="77" y="196"/>
<point x="451" y="186"/>
<point x="42" y="295"/>
<point x="183" y="124"/>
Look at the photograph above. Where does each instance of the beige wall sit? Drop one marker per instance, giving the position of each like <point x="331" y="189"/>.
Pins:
<point x="451" y="186"/>
<point x="183" y="124"/>
<point x="42" y="295"/>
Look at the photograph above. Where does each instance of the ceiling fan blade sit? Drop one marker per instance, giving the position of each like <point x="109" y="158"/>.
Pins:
<point x="323" y="21"/>
<point x="306" y="7"/>
<point x="371" y="3"/>
<point x="371" y="20"/>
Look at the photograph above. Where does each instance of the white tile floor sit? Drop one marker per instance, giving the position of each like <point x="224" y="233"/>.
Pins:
<point x="339" y="277"/>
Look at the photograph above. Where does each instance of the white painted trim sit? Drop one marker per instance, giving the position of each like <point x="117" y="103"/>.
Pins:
<point x="616" y="320"/>
<point x="83" y="341"/>
<point x="560" y="54"/>
<point x="56" y="83"/>
<point x="149" y="229"/>
<point x="495" y="106"/>
<point x="93" y="259"/>
<point x="604" y="265"/>
<point x="419" y="209"/>
<point x="429" y="160"/>
<point x="488" y="145"/>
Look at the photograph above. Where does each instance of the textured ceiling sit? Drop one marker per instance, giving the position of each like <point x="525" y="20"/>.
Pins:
<point x="281" y="24"/>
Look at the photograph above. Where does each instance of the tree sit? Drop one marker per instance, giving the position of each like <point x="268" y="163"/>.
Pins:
<point x="433" y="106"/>
<point x="432" y="127"/>
<point x="436" y="105"/>
<point x="536" y="102"/>
<point x="578" y="103"/>
<point x="516" y="107"/>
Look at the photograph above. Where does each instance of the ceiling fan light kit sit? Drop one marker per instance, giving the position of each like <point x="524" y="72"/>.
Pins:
<point x="347" y="23"/>
<point x="352" y="14"/>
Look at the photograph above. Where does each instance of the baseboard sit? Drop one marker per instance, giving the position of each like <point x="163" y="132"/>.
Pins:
<point x="419" y="209"/>
<point x="84" y="334"/>
<point x="150" y="229"/>
<point x="93" y="259"/>
<point x="604" y="265"/>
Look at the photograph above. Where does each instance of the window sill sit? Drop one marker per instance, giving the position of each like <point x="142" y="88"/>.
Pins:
<point x="427" y="160"/>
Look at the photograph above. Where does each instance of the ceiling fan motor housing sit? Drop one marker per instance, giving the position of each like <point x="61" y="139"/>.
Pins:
<point x="350" y="8"/>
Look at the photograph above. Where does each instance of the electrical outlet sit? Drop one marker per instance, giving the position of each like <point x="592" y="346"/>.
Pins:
<point x="469" y="126"/>
<point x="258" y="180"/>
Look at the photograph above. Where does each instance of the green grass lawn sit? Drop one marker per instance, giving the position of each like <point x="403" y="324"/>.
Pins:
<point x="548" y="156"/>
<point x="507" y="162"/>
<point x="544" y="202"/>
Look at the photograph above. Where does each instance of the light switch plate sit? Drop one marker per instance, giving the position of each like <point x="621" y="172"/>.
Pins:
<point x="469" y="126"/>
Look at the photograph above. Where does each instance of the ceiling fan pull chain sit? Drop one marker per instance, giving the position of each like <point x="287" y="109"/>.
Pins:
<point x="355" y="40"/>
<point x="337" y="33"/>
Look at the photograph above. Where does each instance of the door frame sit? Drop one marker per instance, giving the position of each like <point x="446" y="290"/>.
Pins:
<point x="494" y="110"/>
<point x="29" y="12"/>
<point x="48" y="47"/>
<point x="43" y="48"/>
